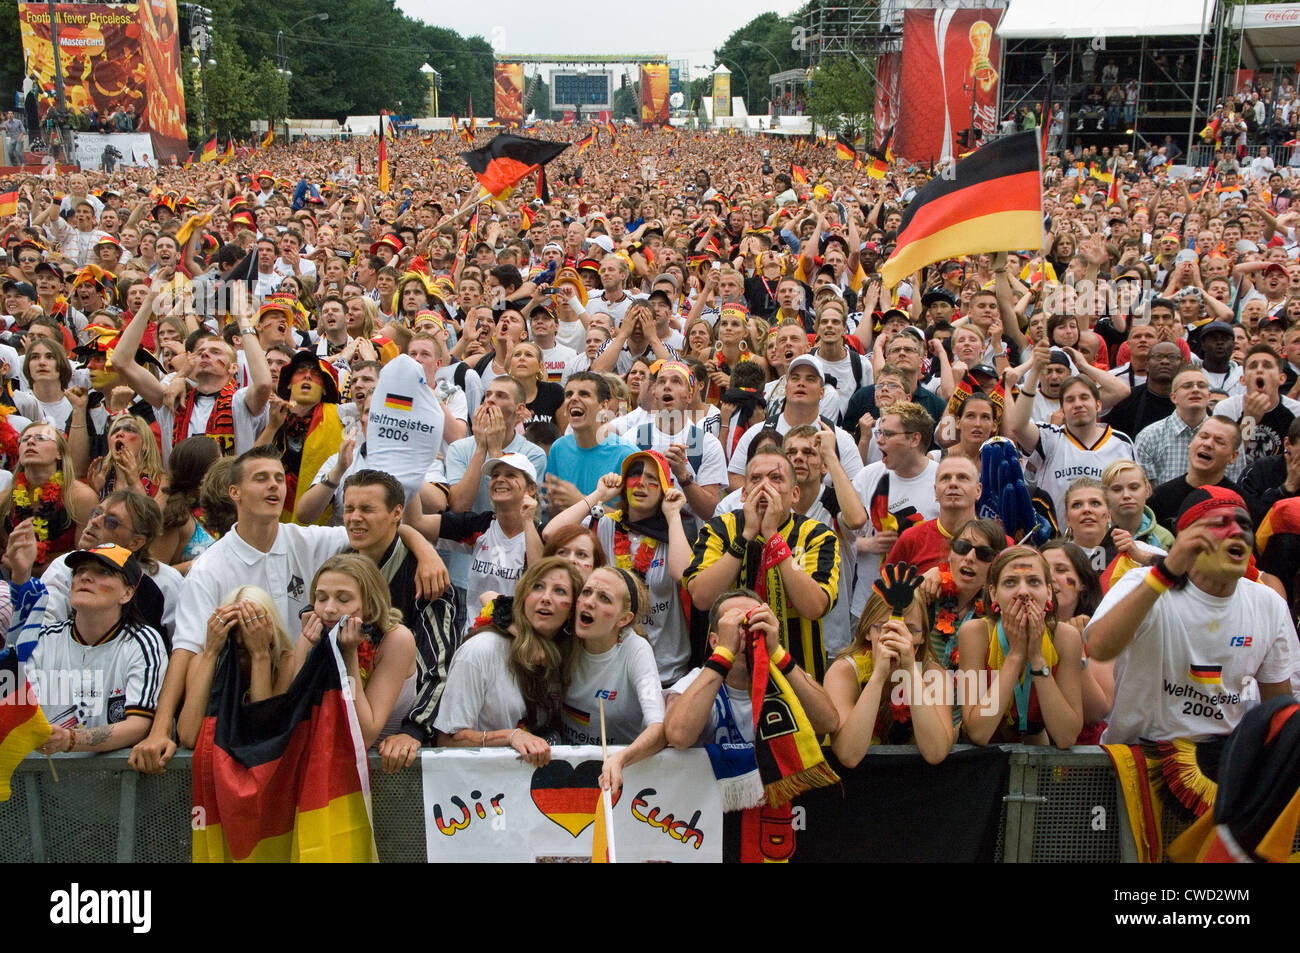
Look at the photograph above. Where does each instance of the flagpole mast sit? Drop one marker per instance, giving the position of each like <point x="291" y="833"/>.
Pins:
<point x="609" y="795"/>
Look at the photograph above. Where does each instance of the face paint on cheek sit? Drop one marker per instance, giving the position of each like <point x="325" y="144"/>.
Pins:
<point x="635" y="481"/>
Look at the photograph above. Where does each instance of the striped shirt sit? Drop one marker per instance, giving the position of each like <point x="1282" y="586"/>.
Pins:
<point x="813" y="548"/>
<point x="90" y="686"/>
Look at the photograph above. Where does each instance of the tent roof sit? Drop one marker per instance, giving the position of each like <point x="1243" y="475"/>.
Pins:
<point x="1271" y="33"/>
<point x="1072" y="19"/>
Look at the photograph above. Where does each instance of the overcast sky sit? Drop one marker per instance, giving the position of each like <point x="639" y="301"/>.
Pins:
<point x="682" y="29"/>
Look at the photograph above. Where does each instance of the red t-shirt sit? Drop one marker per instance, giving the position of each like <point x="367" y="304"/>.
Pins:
<point x="923" y="546"/>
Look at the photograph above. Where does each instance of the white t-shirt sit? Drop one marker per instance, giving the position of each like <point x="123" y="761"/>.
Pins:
<point x="496" y="563"/>
<point x="741" y="708"/>
<point x="664" y="619"/>
<point x="850" y="458"/>
<point x="246" y="425"/>
<point x="1193" y="668"/>
<point x="481" y="692"/>
<point x="628" y="679"/>
<point x="596" y="304"/>
<point x="572" y="334"/>
<point x="556" y="359"/>
<point x="911" y="500"/>
<point x="90" y="686"/>
<point x="285" y="572"/>
<point x="1062" y="459"/>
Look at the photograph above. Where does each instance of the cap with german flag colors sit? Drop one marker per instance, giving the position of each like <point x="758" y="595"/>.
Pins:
<point x="112" y="556"/>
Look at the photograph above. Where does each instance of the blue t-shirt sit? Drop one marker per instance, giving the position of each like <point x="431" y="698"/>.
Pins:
<point x="584" y="468"/>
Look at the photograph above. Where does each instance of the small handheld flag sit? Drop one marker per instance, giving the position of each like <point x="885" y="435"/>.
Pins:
<point x="8" y="203"/>
<point x="209" y="150"/>
<point x="383" y="157"/>
<point x="268" y="138"/>
<point x="23" y="727"/>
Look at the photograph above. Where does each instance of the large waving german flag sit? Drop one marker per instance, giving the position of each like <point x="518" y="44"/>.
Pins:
<point x="505" y="160"/>
<point x="844" y="149"/>
<point x="992" y="202"/>
<point x="285" y="779"/>
<point x="209" y="153"/>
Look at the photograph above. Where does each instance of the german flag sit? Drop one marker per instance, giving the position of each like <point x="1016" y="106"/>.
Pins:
<point x="876" y="166"/>
<point x="505" y="160"/>
<point x="799" y="174"/>
<point x="1205" y="674"/>
<point x="1113" y="196"/>
<point x="286" y="779"/>
<point x="473" y="123"/>
<point x="540" y="191"/>
<point x="612" y="130"/>
<point x="268" y="138"/>
<point x="585" y="142"/>
<point x="844" y="149"/>
<point x="383" y="157"/>
<point x="23" y="727"/>
<point x="209" y="152"/>
<point x="397" y="402"/>
<point x="8" y="203"/>
<point x="992" y="202"/>
<point x="229" y="153"/>
<point x="1100" y="174"/>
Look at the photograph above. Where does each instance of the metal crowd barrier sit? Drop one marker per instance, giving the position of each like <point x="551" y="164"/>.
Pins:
<point x="1059" y="807"/>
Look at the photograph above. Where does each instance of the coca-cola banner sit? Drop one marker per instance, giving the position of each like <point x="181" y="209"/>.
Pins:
<point x="948" y="81"/>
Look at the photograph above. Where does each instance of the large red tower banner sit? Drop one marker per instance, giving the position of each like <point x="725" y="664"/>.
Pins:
<point x="948" y="81"/>
<point x="885" y="112"/>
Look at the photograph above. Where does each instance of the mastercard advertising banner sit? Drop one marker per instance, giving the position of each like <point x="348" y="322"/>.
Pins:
<point x="654" y="94"/>
<point x="508" y="81"/>
<point x="948" y="81"/>
<point x="114" y="56"/>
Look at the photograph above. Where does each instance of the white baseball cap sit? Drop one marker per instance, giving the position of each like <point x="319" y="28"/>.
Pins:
<point x="516" y="461"/>
<point x="604" y="242"/>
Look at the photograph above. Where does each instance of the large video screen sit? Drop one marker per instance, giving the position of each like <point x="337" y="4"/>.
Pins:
<point x="590" y="90"/>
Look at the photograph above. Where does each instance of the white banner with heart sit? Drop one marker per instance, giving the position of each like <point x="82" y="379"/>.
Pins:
<point x="490" y="805"/>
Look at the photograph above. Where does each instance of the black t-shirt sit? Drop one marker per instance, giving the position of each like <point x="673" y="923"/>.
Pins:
<point x="548" y="400"/>
<point x="1139" y="409"/>
<point x="1168" y="498"/>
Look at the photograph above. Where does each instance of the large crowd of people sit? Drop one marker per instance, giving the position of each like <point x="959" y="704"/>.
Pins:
<point x="679" y="412"/>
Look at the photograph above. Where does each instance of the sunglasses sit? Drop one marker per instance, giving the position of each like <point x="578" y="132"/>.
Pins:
<point x="963" y="547"/>
<point x="111" y="522"/>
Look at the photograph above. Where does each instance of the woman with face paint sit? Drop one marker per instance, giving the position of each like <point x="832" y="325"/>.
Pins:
<point x="1026" y="664"/>
<point x="304" y="424"/>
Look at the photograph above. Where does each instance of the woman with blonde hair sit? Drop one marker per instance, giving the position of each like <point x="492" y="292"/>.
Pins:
<point x="247" y="617"/>
<point x="46" y="491"/>
<point x="378" y="650"/>
<point x="133" y="460"/>
<point x="363" y="317"/>
<point x="505" y="679"/>
<point x="876" y="682"/>
<point x="544" y="398"/>
<point x="610" y="660"/>
<point x="1134" y="530"/>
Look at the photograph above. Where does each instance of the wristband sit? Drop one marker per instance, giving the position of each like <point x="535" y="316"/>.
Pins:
<point x="1170" y="580"/>
<point x="725" y="654"/>
<point x="1156" y="581"/>
<point x="715" y="664"/>
<point x="782" y="659"/>
<point x="1031" y="393"/>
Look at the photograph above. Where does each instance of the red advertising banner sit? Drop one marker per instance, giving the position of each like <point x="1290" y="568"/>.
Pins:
<point x="948" y="81"/>
<point x="885" y="114"/>
<point x="508" y="81"/>
<point x="115" y="56"/>
<point x="654" y="94"/>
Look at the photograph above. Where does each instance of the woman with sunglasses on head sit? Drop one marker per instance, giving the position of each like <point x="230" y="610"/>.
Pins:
<point x="45" y="491"/>
<point x="1029" y="665"/>
<point x="611" y="661"/>
<point x="955" y="591"/>
<point x="876" y="683"/>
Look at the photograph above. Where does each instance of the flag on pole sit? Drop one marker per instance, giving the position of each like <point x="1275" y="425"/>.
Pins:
<point x="285" y="779"/>
<point x="844" y="149"/>
<point x="209" y="150"/>
<point x="1046" y="119"/>
<point x="505" y="160"/>
<point x="268" y="138"/>
<point x="383" y="157"/>
<point x="1112" y="196"/>
<point x="473" y="122"/>
<point x="229" y="153"/>
<point x="799" y="174"/>
<point x="23" y="727"/>
<point x="541" y="191"/>
<point x="585" y="142"/>
<point x="992" y="202"/>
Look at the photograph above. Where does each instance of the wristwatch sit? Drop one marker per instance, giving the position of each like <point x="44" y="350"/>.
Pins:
<point x="1044" y="672"/>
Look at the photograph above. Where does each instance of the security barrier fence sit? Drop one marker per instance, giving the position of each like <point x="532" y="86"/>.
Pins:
<point x="1058" y="806"/>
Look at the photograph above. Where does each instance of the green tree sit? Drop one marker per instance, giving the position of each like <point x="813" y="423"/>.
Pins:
<point x="840" y="97"/>
<point x="760" y="48"/>
<point x="227" y="91"/>
<point x="627" y="102"/>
